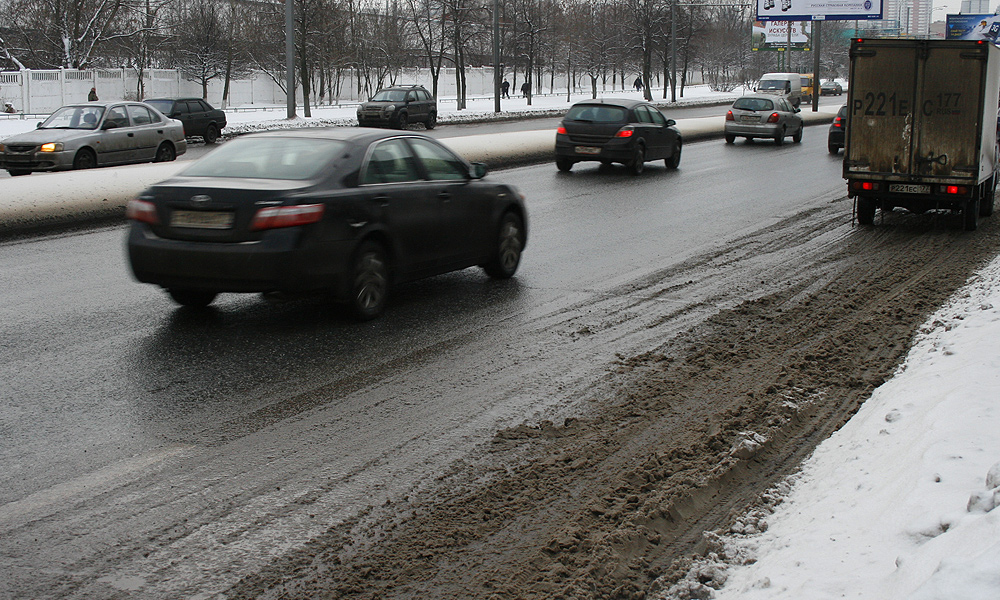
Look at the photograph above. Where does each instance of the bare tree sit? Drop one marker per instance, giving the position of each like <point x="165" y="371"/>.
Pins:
<point x="198" y="47"/>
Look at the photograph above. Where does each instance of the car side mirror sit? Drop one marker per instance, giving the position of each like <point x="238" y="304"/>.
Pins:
<point x="798" y="110"/>
<point x="478" y="170"/>
<point x="671" y="122"/>
<point x="38" y="125"/>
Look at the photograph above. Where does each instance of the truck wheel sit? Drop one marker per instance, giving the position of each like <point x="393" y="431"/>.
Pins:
<point x="866" y="211"/>
<point x="986" y="203"/>
<point x="970" y="213"/>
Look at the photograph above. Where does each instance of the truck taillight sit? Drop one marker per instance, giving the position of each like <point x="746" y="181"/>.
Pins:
<point x="955" y="190"/>
<point x="729" y="116"/>
<point x="142" y="211"/>
<point x="286" y="216"/>
<point x="864" y="186"/>
<point x="773" y="118"/>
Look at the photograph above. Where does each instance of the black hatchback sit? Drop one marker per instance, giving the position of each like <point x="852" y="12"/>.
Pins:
<point x="346" y="212"/>
<point x="200" y="119"/>
<point x="630" y="132"/>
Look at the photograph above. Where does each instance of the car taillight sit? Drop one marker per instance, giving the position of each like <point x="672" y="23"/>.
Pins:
<point x="773" y="118"/>
<point x="561" y="130"/>
<point x="142" y="211"/>
<point x="286" y="216"/>
<point x="729" y="116"/>
<point x="625" y="132"/>
<point x="837" y="123"/>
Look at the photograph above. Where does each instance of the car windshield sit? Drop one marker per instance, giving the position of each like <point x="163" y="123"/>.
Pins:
<point x="163" y="106"/>
<point x="389" y="96"/>
<point x="772" y="84"/>
<point x="753" y="104"/>
<point x="596" y="113"/>
<point x="74" y="117"/>
<point x="269" y="158"/>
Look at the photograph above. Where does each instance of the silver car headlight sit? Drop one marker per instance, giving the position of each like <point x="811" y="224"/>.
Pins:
<point x="52" y="147"/>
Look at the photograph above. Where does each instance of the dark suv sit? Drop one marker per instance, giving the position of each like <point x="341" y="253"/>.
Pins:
<point x="398" y="106"/>
<point x="198" y="116"/>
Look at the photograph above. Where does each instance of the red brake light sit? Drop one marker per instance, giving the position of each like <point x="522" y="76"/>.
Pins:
<point x="142" y="211"/>
<point x="286" y="216"/>
<point x="837" y="123"/>
<point x="561" y="130"/>
<point x="773" y="118"/>
<point x="625" y="132"/>
<point x="729" y="116"/>
<point x="867" y="185"/>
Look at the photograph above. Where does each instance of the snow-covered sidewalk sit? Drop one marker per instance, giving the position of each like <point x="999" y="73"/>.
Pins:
<point x="902" y="501"/>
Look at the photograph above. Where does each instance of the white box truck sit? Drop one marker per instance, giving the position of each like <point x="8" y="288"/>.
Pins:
<point x="922" y="126"/>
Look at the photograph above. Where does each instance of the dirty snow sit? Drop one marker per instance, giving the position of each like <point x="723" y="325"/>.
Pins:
<point x="902" y="501"/>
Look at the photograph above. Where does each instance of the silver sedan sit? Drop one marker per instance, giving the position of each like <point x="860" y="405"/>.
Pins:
<point x="95" y="134"/>
<point x="763" y="116"/>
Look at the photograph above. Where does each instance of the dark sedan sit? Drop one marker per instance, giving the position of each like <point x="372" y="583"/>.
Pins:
<point x="200" y="119"/>
<point x="630" y="132"/>
<point x="335" y="210"/>
<point x="835" y="137"/>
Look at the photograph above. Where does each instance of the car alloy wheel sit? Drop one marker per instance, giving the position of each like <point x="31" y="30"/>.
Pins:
<point x="510" y="243"/>
<point x="369" y="282"/>
<point x="638" y="162"/>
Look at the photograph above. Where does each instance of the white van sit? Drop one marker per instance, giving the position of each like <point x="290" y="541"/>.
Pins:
<point x="782" y="84"/>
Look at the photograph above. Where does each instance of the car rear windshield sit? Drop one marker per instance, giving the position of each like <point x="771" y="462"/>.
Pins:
<point x="269" y="158"/>
<point x="753" y="104"/>
<point x="390" y="96"/>
<point x="163" y="106"/>
<point x="595" y="113"/>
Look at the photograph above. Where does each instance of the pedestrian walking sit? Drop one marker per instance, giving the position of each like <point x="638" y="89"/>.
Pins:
<point x="638" y="84"/>
<point x="505" y="89"/>
<point x="92" y="96"/>
<point x="525" y="89"/>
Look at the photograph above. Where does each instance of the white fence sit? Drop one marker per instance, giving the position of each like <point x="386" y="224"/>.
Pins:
<point x="41" y="92"/>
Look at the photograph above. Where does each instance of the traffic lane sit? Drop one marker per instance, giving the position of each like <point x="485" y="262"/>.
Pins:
<point x="116" y="368"/>
<point x="143" y="437"/>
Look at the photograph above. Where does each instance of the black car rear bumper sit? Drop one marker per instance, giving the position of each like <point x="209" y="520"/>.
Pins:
<point x="279" y="261"/>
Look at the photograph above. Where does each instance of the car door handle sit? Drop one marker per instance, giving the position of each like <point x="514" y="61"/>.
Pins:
<point x="383" y="200"/>
<point x="159" y="131"/>
<point x="444" y="195"/>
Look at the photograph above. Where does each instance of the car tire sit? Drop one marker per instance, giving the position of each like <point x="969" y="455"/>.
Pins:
<point x="510" y="244"/>
<point x="402" y="121"/>
<point x="192" y="298"/>
<point x="85" y="159"/>
<point x="833" y="149"/>
<point x="18" y="172"/>
<point x="431" y="121"/>
<point x="866" y="211"/>
<point x="211" y="133"/>
<point x="564" y="164"/>
<point x="369" y="281"/>
<point x="730" y="138"/>
<point x="674" y="160"/>
<point x="779" y="138"/>
<point x="165" y="153"/>
<point x="638" y="162"/>
<point x="797" y="138"/>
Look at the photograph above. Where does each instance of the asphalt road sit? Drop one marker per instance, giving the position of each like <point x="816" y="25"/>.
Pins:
<point x="155" y="452"/>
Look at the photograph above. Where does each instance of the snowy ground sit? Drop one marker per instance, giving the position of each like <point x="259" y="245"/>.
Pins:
<point x="900" y="503"/>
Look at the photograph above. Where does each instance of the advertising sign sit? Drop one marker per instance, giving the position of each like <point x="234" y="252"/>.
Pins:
<point x="818" y="10"/>
<point x="973" y="27"/>
<point x="773" y="35"/>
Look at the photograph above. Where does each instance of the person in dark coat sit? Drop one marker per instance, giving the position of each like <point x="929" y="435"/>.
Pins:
<point x="525" y="89"/>
<point x="92" y="96"/>
<point x="505" y="89"/>
<point x="638" y="84"/>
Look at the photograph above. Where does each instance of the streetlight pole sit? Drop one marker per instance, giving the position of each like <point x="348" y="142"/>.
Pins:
<point x="673" y="51"/>
<point x="290" y="58"/>
<point x="496" y="56"/>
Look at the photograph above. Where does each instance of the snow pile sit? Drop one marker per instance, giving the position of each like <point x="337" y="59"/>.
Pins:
<point x="902" y="501"/>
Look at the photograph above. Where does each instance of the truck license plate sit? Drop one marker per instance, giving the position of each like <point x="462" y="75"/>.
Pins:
<point x="909" y="188"/>
<point x="201" y="219"/>
<point x="587" y="150"/>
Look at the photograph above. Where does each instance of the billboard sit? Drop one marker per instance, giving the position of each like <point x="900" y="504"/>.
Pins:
<point x="818" y="10"/>
<point x="773" y="35"/>
<point x="973" y="27"/>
